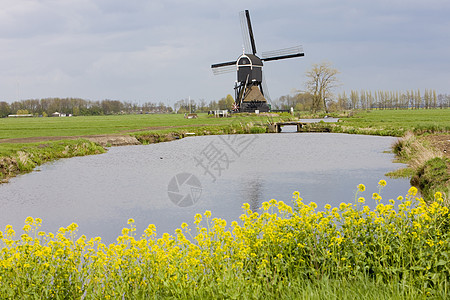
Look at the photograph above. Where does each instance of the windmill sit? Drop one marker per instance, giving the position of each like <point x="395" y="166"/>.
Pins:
<point x="250" y="90"/>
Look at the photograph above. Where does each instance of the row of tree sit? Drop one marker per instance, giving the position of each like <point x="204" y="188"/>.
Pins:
<point x="305" y="101"/>
<point x="322" y="80"/>
<point x="190" y="105"/>
<point x="79" y="107"/>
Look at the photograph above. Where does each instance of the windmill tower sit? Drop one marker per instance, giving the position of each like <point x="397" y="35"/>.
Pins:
<point x="250" y="90"/>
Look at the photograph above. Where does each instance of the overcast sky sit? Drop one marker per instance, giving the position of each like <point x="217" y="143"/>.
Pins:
<point x="138" y="51"/>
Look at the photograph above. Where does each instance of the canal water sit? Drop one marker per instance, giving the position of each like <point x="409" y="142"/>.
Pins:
<point x="168" y="183"/>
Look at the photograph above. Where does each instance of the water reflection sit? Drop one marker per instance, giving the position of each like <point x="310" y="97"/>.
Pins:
<point x="253" y="192"/>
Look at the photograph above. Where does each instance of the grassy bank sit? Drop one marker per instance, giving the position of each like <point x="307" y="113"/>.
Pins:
<point x="428" y="168"/>
<point x="390" y="122"/>
<point x="21" y="158"/>
<point x="164" y="135"/>
<point x="397" y="250"/>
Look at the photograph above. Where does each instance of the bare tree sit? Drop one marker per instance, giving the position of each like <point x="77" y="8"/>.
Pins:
<point x="322" y="79"/>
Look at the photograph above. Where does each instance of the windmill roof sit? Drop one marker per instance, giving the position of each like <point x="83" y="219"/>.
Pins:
<point x="253" y="60"/>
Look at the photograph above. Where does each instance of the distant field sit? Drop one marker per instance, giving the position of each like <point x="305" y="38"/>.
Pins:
<point x="399" y="121"/>
<point x="94" y="125"/>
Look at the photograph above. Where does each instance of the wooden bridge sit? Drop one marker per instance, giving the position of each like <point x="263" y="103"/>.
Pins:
<point x="276" y="127"/>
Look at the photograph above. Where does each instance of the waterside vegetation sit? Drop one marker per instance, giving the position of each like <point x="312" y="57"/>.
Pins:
<point x="21" y="158"/>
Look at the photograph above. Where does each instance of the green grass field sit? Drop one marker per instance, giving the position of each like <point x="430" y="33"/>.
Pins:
<point x="392" y="121"/>
<point x="397" y="122"/>
<point x="94" y="125"/>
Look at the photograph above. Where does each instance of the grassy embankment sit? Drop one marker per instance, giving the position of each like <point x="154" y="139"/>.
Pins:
<point x="424" y="135"/>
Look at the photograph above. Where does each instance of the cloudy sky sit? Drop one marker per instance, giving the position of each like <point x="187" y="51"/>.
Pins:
<point x="138" y="50"/>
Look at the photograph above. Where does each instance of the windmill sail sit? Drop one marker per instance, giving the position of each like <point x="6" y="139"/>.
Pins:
<point x="291" y="52"/>
<point x="224" y="69"/>
<point x="247" y="32"/>
<point x="245" y="35"/>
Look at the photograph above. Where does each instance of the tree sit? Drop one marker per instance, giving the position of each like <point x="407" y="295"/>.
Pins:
<point x="322" y="79"/>
<point x="226" y="103"/>
<point x="5" y="109"/>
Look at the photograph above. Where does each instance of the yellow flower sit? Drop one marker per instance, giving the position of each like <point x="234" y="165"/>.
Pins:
<point x="382" y="183"/>
<point x="198" y="219"/>
<point x="412" y="191"/>
<point x="208" y="214"/>
<point x="361" y="187"/>
<point x="361" y="200"/>
<point x="130" y="221"/>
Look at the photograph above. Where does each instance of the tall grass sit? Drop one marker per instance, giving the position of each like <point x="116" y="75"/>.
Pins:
<point x="428" y="168"/>
<point x="400" y="249"/>
<point x="22" y="158"/>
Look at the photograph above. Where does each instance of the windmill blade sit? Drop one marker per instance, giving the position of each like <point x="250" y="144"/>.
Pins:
<point x="224" y="69"/>
<point x="291" y="52"/>
<point x="247" y="32"/>
<point x="228" y="63"/>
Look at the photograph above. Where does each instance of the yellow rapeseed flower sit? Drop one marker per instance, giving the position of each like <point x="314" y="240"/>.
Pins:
<point x="412" y="191"/>
<point x="361" y="187"/>
<point x="382" y="183"/>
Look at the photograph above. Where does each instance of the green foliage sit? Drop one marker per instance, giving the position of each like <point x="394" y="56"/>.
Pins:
<point x="226" y="103"/>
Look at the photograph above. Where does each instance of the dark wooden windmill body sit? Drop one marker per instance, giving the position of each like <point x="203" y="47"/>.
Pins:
<point x="251" y="93"/>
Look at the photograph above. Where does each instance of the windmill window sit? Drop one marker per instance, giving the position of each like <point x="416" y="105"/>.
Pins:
<point x="244" y="61"/>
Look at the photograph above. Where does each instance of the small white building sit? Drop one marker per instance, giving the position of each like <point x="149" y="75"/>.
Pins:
<point x="20" y="116"/>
